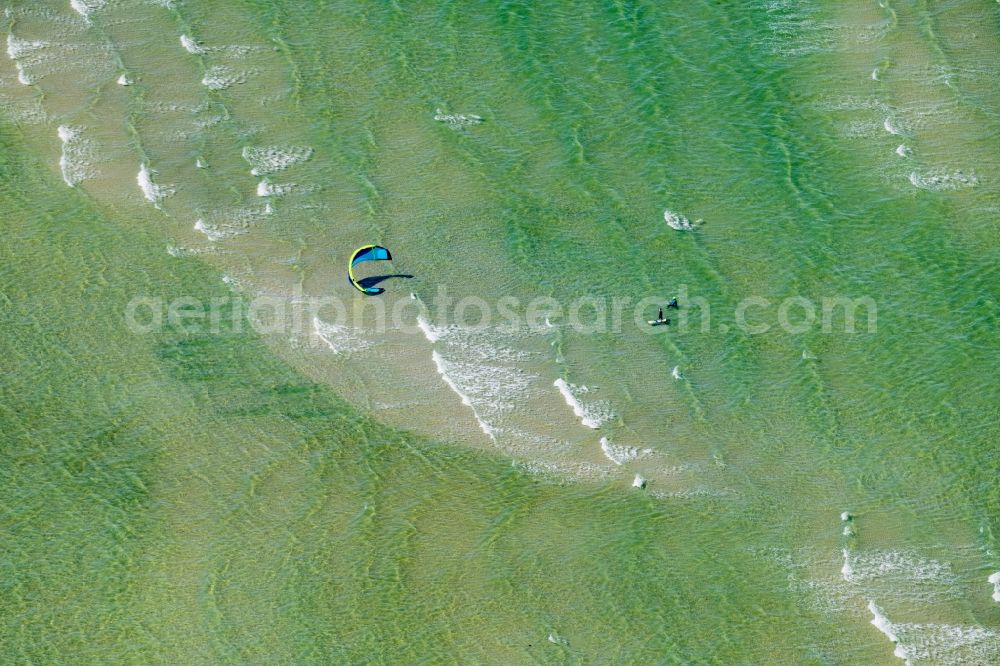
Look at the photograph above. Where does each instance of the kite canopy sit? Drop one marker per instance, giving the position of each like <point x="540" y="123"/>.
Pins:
<point x="367" y="253"/>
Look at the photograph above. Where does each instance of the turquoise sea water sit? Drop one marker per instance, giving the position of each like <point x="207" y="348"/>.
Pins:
<point x="339" y="489"/>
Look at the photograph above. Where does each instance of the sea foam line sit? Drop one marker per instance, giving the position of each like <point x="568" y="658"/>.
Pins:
<point x="677" y="221"/>
<point x="442" y="369"/>
<point x="940" y="180"/>
<point x="340" y="339"/>
<point x="84" y="7"/>
<point x="457" y="119"/>
<point x="154" y="193"/>
<point x="236" y="222"/>
<point x="16" y="48"/>
<point x="889" y="126"/>
<point x="212" y="232"/>
<point x="431" y="332"/>
<point x="620" y="455"/>
<point x="589" y="416"/>
<point x="266" y="160"/>
<point x="944" y="644"/>
<point x="22" y="77"/>
<point x="861" y="566"/>
<point x="266" y="188"/>
<point x="882" y="623"/>
<point x="220" y="77"/>
<point x="847" y="571"/>
<point x="191" y="46"/>
<point x="73" y="161"/>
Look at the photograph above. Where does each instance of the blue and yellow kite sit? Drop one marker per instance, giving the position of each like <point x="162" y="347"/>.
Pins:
<point x="367" y="253"/>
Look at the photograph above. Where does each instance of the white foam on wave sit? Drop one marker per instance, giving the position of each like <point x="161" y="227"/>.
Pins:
<point x="676" y="373"/>
<point x="560" y="471"/>
<point x="875" y="74"/>
<point x="18" y="49"/>
<point x="233" y="222"/>
<point x="995" y="580"/>
<point x="484" y="366"/>
<point x="24" y="110"/>
<point x="265" y="160"/>
<point x="902" y="150"/>
<point x="638" y="482"/>
<point x="457" y="119"/>
<point x="22" y="77"/>
<point x="123" y="80"/>
<point x="176" y="251"/>
<point x="620" y="455"/>
<point x="77" y="153"/>
<point x="847" y="571"/>
<point x="940" y="644"/>
<point x="868" y="565"/>
<point x="85" y="7"/>
<point x="212" y="232"/>
<point x="939" y="180"/>
<point x="340" y="339"/>
<point x="485" y="372"/>
<point x="882" y="623"/>
<point x="35" y="59"/>
<point x="431" y="332"/>
<point x="592" y="415"/>
<point x="191" y="46"/>
<point x="154" y="193"/>
<point x="266" y="188"/>
<point x="678" y="222"/>
<point x="847" y="519"/>
<point x="891" y="127"/>
<point x="697" y="493"/>
<point x="220" y="77"/>
<point x="442" y="368"/>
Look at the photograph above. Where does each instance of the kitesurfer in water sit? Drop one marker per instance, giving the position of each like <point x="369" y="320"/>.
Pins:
<point x="671" y="304"/>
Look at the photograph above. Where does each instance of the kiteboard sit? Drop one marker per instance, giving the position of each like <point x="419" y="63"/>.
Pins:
<point x="659" y="322"/>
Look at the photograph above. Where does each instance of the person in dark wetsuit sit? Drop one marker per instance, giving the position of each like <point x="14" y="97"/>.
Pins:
<point x="673" y="304"/>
